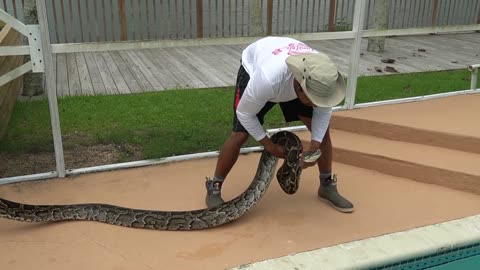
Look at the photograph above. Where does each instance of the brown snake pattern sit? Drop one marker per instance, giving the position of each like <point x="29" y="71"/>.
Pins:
<point x="288" y="176"/>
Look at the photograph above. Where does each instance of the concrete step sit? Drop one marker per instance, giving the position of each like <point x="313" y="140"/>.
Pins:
<point x="400" y="132"/>
<point x="443" y="122"/>
<point x="424" y="163"/>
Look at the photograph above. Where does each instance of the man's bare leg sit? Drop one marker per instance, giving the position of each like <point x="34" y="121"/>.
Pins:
<point x="227" y="158"/>
<point x="229" y="153"/>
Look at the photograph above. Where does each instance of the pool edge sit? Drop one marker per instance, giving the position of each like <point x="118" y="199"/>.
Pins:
<point x="380" y="250"/>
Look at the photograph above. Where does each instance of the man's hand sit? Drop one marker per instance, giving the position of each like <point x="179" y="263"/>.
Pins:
<point x="277" y="151"/>
<point x="272" y="148"/>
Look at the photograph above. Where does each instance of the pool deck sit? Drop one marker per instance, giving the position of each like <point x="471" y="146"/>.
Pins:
<point x="396" y="182"/>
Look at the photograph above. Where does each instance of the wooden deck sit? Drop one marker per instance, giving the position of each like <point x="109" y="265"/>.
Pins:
<point x="125" y="72"/>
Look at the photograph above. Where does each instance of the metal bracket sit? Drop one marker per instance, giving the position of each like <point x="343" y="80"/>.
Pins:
<point x="35" y="44"/>
<point x="32" y="32"/>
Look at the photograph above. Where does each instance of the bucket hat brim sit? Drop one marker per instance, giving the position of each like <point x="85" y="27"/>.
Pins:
<point x="295" y="64"/>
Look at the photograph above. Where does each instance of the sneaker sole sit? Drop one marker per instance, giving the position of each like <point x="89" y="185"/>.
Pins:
<point x="343" y="210"/>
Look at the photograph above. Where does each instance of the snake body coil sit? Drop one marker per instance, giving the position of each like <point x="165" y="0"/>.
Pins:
<point x="288" y="177"/>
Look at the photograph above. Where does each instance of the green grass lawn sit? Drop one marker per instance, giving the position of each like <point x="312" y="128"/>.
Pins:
<point x="178" y="121"/>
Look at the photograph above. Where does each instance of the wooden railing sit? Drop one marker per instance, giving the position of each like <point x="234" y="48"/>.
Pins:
<point x="74" y="21"/>
<point x="9" y="91"/>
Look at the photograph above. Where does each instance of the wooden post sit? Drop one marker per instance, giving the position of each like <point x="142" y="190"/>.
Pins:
<point x="269" y="16"/>
<point x="331" y="16"/>
<point x="380" y="22"/>
<point x="478" y="17"/>
<point x="435" y="13"/>
<point x="33" y="83"/>
<point x="199" y="18"/>
<point x="256" y="17"/>
<point x="123" y="20"/>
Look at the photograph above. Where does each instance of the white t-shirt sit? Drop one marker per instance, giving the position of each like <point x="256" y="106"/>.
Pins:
<point x="271" y="80"/>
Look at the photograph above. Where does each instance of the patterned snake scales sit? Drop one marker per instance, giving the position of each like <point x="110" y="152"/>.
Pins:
<point x="288" y="177"/>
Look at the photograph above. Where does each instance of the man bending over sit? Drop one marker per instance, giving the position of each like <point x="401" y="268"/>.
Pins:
<point x="306" y="84"/>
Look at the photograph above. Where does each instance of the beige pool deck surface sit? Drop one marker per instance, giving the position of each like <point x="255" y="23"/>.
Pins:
<point x="403" y="166"/>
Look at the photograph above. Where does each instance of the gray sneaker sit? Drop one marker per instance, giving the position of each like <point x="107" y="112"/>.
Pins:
<point x="214" y="193"/>
<point x="328" y="192"/>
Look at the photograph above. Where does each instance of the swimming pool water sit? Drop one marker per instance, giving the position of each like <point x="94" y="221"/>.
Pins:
<point x="472" y="263"/>
<point x="460" y="258"/>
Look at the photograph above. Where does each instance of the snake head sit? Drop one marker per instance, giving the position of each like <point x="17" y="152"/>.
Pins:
<point x="312" y="156"/>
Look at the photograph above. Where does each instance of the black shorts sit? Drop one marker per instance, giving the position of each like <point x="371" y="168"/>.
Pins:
<point x="290" y="109"/>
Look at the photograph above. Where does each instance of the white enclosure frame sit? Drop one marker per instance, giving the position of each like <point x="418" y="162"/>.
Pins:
<point x="47" y="50"/>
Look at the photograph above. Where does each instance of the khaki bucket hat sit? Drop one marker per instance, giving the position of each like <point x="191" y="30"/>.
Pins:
<point x="319" y="77"/>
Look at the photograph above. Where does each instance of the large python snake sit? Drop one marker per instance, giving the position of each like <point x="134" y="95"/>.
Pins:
<point x="288" y="176"/>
